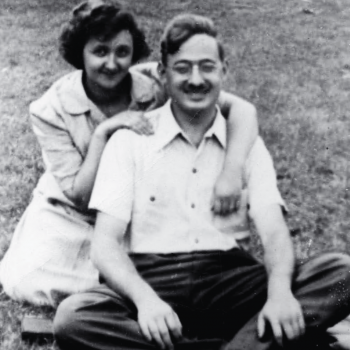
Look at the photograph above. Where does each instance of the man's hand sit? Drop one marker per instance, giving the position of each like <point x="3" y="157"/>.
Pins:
<point x="285" y="316"/>
<point x="159" y="322"/>
<point x="227" y="193"/>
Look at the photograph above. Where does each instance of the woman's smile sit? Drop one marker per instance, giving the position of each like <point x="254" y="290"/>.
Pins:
<point x="107" y="62"/>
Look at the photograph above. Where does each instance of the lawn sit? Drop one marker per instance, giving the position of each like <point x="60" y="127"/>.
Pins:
<point x="290" y="58"/>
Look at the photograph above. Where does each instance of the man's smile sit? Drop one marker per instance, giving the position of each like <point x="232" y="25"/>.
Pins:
<point x="197" y="92"/>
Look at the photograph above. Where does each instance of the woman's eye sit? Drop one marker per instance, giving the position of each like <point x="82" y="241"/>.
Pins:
<point x="123" y="51"/>
<point x="100" y="52"/>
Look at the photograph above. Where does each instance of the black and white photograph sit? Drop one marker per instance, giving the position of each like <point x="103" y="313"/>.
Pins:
<point x="175" y="175"/>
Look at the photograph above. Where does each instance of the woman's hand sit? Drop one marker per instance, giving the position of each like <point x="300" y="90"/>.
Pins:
<point x="133" y="120"/>
<point x="227" y="192"/>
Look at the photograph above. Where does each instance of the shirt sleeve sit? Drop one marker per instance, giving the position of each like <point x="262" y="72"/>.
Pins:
<point x="113" y="191"/>
<point x="148" y="68"/>
<point x="261" y="180"/>
<point x="61" y="157"/>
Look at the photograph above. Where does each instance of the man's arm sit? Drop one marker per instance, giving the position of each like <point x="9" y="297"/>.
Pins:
<point x="156" y="318"/>
<point x="241" y="135"/>
<point x="281" y="310"/>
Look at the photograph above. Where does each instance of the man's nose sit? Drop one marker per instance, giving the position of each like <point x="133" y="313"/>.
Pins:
<point x="196" y="76"/>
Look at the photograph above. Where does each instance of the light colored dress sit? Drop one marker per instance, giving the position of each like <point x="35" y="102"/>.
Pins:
<point x="48" y="257"/>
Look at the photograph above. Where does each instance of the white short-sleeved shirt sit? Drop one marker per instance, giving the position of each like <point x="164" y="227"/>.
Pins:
<point x="64" y="120"/>
<point x="161" y="185"/>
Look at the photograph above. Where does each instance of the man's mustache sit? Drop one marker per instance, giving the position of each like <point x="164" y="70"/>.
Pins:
<point x="197" y="89"/>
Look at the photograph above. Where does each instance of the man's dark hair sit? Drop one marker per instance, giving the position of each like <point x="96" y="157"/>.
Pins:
<point x="183" y="27"/>
<point x="102" y="19"/>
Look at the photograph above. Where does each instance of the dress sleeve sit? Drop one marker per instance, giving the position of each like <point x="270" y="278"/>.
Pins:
<point x="61" y="157"/>
<point x="150" y="70"/>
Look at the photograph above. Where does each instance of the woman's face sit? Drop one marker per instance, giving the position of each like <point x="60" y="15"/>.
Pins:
<point x="106" y="63"/>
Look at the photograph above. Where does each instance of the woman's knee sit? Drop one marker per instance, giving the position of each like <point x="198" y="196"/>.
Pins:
<point x="22" y="290"/>
<point x="33" y="288"/>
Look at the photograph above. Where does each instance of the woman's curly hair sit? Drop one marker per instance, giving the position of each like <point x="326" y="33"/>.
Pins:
<point x="102" y="19"/>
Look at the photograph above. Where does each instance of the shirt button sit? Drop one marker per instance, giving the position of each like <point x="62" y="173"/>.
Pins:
<point x="194" y="170"/>
<point x="152" y="199"/>
<point x="192" y="205"/>
<point x="196" y="240"/>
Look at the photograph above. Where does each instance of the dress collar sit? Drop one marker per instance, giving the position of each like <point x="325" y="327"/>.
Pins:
<point x="75" y="101"/>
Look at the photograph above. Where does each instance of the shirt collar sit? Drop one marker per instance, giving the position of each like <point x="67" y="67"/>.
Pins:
<point x="75" y="101"/>
<point x="218" y="129"/>
<point x="168" y="128"/>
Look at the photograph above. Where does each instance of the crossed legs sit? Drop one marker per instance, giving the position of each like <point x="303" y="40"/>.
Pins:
<point x="217" y="296"/>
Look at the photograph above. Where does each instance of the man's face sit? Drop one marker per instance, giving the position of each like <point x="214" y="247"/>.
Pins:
<point x="194" y="75"/>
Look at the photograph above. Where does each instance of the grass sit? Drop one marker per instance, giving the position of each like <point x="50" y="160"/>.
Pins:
<point x="292" y="63"/>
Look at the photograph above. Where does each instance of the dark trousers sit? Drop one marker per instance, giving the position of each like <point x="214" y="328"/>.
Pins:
<point x="217" y="296"/>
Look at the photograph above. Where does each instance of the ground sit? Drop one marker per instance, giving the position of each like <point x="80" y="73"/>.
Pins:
<point x="290" y="58"/>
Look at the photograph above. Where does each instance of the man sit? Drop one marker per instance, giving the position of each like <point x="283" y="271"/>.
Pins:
<point x="173" y="273"/>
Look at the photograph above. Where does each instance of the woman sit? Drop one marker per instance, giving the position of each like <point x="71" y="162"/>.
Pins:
<point x="48" y="258"/>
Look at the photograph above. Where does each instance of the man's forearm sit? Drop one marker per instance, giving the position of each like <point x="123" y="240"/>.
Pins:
<point x="278" y="249"/>
<point x="120" y="273"/>
<point x="157" y="320"/>
<point x="279" y="263"/>
<point x="282" y="311"/>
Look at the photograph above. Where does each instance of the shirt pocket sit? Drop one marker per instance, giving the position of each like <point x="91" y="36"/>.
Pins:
<point x="160" y="199"/>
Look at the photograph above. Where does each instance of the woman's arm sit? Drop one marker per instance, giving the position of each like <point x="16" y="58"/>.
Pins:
<point x="241" y="134"/>
<point x="84" y="181"/>
<point x="74" y="173"/>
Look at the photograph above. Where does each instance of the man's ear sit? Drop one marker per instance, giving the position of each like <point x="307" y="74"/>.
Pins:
<point x="161" y="72"/>
<point x="224" y="68"/>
